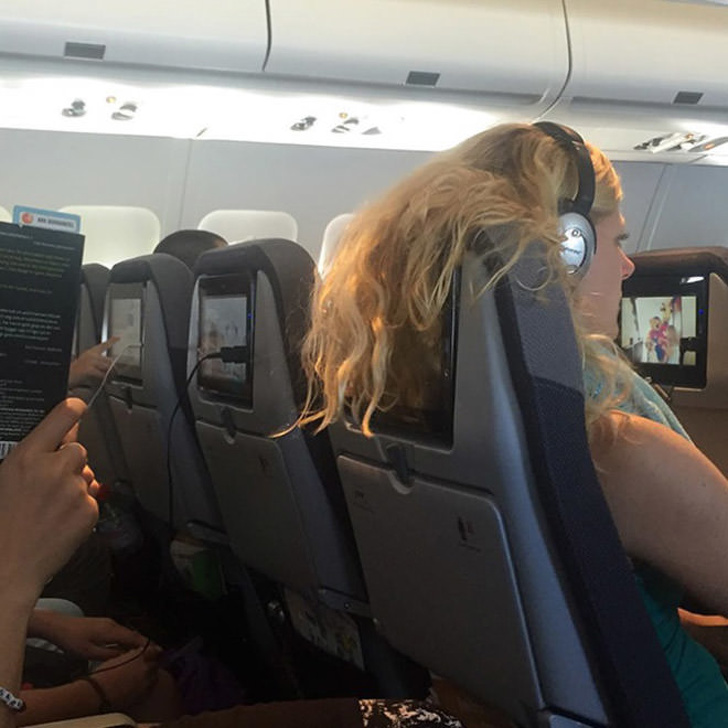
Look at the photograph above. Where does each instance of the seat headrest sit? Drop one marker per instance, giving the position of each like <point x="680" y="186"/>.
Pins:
<point x="173" y="281"/>
<point x="96" y="279"/>
<point x="705" y="260"/>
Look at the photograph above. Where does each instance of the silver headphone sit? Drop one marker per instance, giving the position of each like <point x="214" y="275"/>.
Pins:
<point x="579" y="243"/>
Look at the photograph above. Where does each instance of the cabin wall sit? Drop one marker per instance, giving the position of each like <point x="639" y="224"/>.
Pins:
<point x="314" y="184"/>
<point x="182" y="180"/>
<point x="54" y="169"/>
<point x="640" y="182"/>
<point x="692" y="208"/>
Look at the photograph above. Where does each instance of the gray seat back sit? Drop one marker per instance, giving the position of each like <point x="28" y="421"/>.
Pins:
<point x="97" y="431"/>
<point x="488" y="551"/>
<point x="148" y="304"/>
<point x="280" y="496"/>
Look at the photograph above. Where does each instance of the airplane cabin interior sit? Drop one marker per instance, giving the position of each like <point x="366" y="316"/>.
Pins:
<point x="467" y="543"/>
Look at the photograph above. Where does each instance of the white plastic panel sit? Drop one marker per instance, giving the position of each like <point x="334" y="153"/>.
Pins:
<point x="648" y="51"/>
<point x="332" y="236"/>
<point x="518" y="48"/>
<point x="237" y="226"/>
<point x="116" y="233"/>
<point x="216" y="34"/>
<point x="5" y="216"/>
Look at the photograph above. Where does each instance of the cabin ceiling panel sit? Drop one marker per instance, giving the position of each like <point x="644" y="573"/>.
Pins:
<point x="214" y="35"/>
<point x="517" y="49"/>
<point x="97" y="98"/>
<point x="667" y="53"/>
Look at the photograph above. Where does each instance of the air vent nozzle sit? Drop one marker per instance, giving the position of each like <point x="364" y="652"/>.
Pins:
<point x="86" y="51"/>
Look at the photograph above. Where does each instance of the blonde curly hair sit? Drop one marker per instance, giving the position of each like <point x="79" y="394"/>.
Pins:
<point x="374" y="339"/>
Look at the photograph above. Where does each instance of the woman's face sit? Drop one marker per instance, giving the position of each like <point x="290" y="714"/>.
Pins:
<point x="600" y="291"/>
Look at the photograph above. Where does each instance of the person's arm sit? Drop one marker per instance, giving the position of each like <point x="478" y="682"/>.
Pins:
<point x="91" y="365"/>
<point x="670" y="505"/>
<point x="95" y="638"/>
<point x="74" y="700"/>
<point x="120" y="685"/>
<point x="17" y="602"/>
<point x="42" y="485"/>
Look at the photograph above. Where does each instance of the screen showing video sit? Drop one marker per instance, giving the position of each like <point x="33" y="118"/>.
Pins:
<point x="225" y="321"/>
<point x="653" y="328"/>
<point x="664" y="328"/>
<point x="125" y="322"/>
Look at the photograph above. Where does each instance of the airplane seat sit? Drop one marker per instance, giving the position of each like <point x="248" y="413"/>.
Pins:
<point x="147" y="306"/>
<point x="96" y="430"/>
<point x="95" y="281"/>
<point x="278" y="488"/>
<point x="332" y="236"/>
<point x="488" y="550"/>
<point x="696" y="378"/>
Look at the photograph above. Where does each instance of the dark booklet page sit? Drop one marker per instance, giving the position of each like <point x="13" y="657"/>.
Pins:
<point x="40" y="278"/>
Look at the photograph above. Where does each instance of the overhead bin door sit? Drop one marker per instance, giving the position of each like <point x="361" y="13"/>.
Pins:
<point x="214" y="34"/>
<point x="652" y="51"/>
<point x="517" y="48"/>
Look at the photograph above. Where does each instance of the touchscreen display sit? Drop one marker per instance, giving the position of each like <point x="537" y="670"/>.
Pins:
<point x="653" y="328"/>
<point x="125" y="322"/>
<point x="223" y="323"/>
<point x="664" y="328"/>
<point x="226" y="323"/>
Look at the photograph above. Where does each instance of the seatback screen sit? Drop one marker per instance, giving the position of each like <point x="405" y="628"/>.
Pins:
<point x="225" y="322"/>
<point x="125" y="322"/>
<point x="659" y="325"/>
<point x="663" y="328"/>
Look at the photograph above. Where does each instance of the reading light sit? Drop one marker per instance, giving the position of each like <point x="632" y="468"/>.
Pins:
<point x="672" y="142"/>
<point x="77" y="108"/>
<point x="346" y="126"/>
<point x="304" y="124"/>
<point x="126" y="112"/>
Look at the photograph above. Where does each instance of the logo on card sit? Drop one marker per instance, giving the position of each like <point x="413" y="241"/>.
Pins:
<point x="49" y="219"/>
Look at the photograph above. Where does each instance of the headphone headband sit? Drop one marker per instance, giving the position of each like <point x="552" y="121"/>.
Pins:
<point x="573" y="143"/>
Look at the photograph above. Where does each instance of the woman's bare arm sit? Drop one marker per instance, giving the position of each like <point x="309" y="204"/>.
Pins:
<point x="669" y="503"/>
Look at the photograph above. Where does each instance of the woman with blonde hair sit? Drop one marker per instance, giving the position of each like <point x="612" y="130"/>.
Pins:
<point x="375" y="333"/>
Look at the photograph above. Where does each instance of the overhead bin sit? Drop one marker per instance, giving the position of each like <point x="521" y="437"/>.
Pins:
<point x="518" y="49"/>
<point x="211" y="35"/>
<point x="665" y="52"/>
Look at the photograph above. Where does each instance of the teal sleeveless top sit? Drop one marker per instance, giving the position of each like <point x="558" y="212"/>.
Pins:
<point x="698" y="677"/>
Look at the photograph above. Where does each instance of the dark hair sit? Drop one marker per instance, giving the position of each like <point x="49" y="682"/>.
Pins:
<point x="189" y="245"/>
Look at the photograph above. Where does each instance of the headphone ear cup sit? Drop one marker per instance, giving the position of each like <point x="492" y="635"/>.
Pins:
<point x="578" y="244"/>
